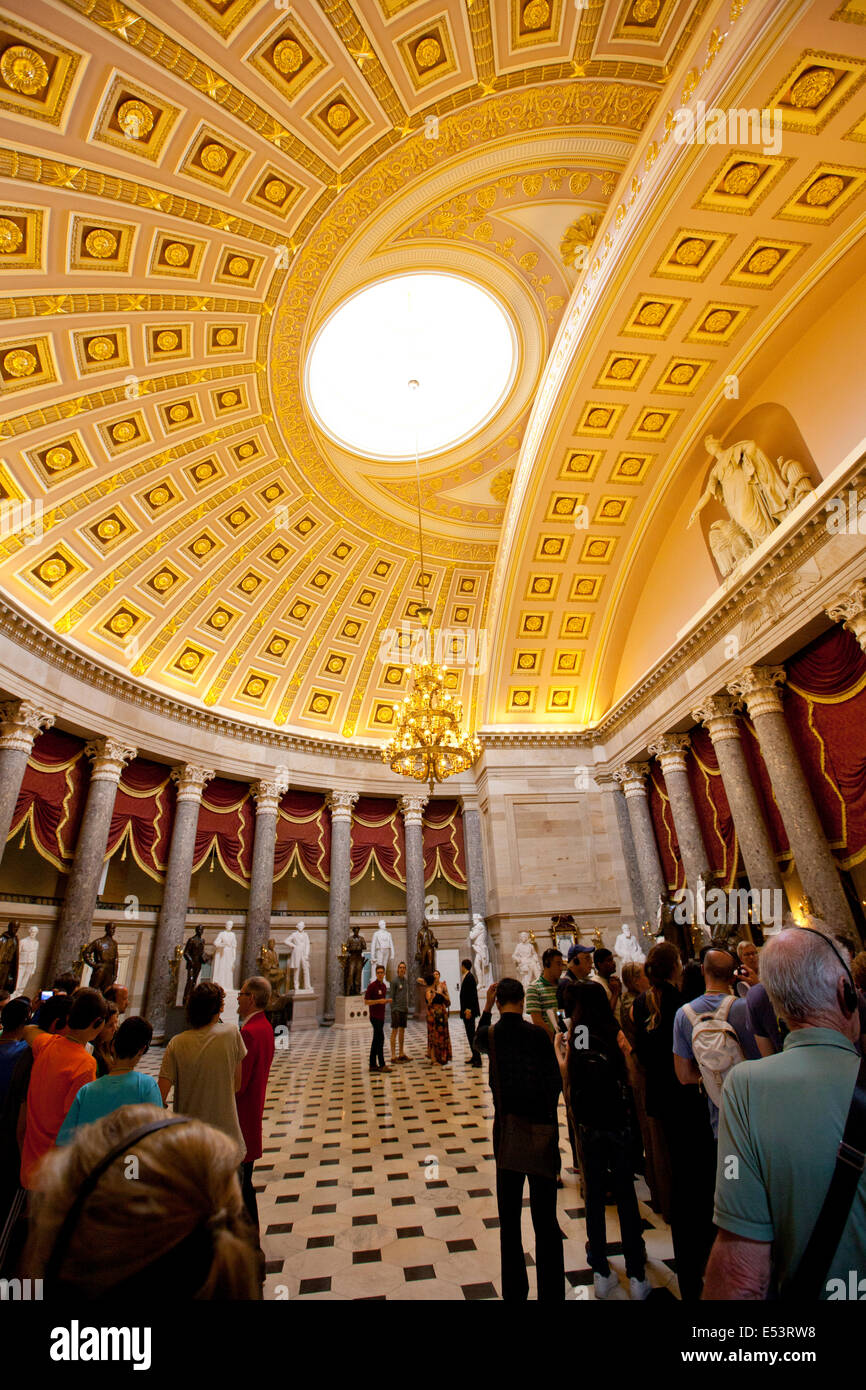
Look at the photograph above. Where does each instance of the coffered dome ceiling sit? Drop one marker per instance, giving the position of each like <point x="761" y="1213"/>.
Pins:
<point x="191" y="189"/>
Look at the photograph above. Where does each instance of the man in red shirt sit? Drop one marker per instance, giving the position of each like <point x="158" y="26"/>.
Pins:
<point x="61" y="1066"/>
<point x="258" y="1036"/>
<point x="376" y="994"/>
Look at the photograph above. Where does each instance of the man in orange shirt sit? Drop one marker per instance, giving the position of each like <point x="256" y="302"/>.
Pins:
<point x="61" y="1066"/>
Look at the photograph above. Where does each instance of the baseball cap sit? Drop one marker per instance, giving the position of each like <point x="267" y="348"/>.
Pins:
<point x="578" y="950"/>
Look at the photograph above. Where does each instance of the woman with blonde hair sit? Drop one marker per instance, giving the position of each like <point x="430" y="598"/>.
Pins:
<point x="179" y="1230"/>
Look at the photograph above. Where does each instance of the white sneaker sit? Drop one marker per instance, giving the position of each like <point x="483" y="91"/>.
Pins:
<point x="639" y="1288"/>
<point x="604" y="1284"/>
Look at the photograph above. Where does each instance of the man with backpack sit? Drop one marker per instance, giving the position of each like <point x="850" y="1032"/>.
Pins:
<point x="712" y="1033"/>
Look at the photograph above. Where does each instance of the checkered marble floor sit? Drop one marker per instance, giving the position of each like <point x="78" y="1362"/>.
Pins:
<point x="383" y="1186"/>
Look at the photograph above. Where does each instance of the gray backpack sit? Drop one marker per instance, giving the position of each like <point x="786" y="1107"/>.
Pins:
<point x="715" y="1046"/>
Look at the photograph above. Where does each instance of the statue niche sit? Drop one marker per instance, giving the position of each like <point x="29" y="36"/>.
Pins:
<point x="754" y="492"/>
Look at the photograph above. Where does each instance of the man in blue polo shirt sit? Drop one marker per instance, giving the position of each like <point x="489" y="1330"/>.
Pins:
<point x="781" y="1123"/>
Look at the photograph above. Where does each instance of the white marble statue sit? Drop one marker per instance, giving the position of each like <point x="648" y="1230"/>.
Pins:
<point x="382" y="948"/>
<point x="526" y="960"/>
<point x="28" y="950"/>
<point x="755" y="492"/>
<point x="225" y="950"/>
<point x="298" y="943"/>
<point x="480" y="952"/>
<point x="729" y="545"/>
<point x="626" y="947"/>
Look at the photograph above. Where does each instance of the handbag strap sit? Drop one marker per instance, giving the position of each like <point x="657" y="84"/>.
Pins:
<point x="811" y="1273"/>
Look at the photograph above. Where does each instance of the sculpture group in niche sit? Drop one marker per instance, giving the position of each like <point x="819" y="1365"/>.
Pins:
<point x="755" y="492"/>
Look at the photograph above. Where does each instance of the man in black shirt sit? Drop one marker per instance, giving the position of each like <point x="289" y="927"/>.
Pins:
<point x="525" y="1081"/>
<point x="469" y="1009"/>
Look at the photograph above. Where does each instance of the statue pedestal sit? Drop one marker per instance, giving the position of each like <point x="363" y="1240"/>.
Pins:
<point x="350" y="1011"/>
<point x="230" y="1008"/>
<point x="304" y="1009"/>
<point x="175" y="1021"/>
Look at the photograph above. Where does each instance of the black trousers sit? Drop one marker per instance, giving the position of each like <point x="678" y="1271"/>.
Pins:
<point x="692" y="1152"/>
<point x="469" y="1025"/>
<point x="608" y="1159"/>
<point x="549" y="1259"/>
<point x="377" y="1046"/>
<point x="248" y="1192"/>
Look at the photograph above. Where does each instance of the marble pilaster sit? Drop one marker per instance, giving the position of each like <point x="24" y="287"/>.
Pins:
<point x="758" y="687"/>
<point x="632" y="778"/>
<point x="79" y="905"/>
<point x="191" y="781"/>
<point x="849" y="609"/>
<point x="718" y="715"/>
<point x="340" y="805"/>
<point x="670" y="750"/>
<point x="267" y="796"/>
<point x="412" y="808"/>
<point x="20" y="722"/>
<point x="476" y="884"/>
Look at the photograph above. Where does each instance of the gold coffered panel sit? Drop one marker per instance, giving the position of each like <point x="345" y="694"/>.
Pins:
<point x="36" y="73"/>
<point x="134" y="120"/>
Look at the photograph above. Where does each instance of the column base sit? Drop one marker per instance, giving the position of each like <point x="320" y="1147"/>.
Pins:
<point x="350" y="1011"/>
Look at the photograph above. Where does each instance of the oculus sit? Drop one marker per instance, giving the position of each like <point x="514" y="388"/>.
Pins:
<point x="441" y="330"/>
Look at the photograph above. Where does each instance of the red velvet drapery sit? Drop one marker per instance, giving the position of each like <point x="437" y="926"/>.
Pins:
<point x="304" y="837"/>
<point x="378" y="835"/>
<point x="444" y="848"/>
<point x="226" y="827"/>
<point x="143" y="816"/>
<point x="711" y="805"/>
<point x="666" y="835"/>
<point x="825" y="708"/>
<point x="53" y="793"/>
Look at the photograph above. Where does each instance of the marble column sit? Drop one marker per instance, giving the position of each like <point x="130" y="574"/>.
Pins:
<point x="850" y="610"/>
<point x="412" y="808"/>
<point x="757" y="686"/>
<point x="629" y="853"/>
<point x="340" y="805"/>
<point x="476" y="884"/>
<point x="717" y="714"/>
<point x="670" y="750"/>
<point x="161" y="993"/>
<point x="20" y="722"/>
<point x="632" y="779"/>
<point x="79" y="905"/>
<point x="267" y="796"/>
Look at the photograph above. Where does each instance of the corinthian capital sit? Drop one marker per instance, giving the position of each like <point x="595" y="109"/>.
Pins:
<point x="340" y="804"/>
<point x="632" y="778"/>
<point x="718" y="715"/>
<point x="412" y="808"/>
<point x="671" y="751"/>
<point x="758" y="687"/>
<point x="191" y="780"/>
<point x="20" y="722"/>
<point x="109" y="758"/>
<point x="268" y="792"/>
<point x="850" y="610"/>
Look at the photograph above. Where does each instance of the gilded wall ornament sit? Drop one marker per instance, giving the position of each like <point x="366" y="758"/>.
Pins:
<point x="288" y="56"/>
<point x="338" y="116"/>
<point x="275" y="191"/>
<point x="101" y="349"/>
<point x="135" y="119"/>
<point x="168" y="340"/>
<point x="741" y="179"/>
<point x="101" y="243"/>
<point x="811" y="87"/>
<point x="20" y="362"/>
<point x="214" y="158"/>
<point x="11" y="236"/>
<point x="175" y="253"/>
<point x="24" y="70"/>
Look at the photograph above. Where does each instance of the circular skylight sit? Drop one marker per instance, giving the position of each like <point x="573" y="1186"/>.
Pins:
<point x="445" y="332"/>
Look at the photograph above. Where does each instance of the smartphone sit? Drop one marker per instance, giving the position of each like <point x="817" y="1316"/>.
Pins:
<point x="46" y="994"/>
<point x="561" y="1021"/>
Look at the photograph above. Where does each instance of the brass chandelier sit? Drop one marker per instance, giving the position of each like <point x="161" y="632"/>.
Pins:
<point x="429" y="742"/>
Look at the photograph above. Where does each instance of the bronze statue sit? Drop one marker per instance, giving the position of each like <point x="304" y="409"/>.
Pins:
<point x="669" y="928"/>
<point x="174" y="969"/>
<point x="425" y="951"/>
<point x="269" y="966"/>
<point x="9" y="957"/>
<point x="354" y="967"/>
<point x="101" y="956"/>
<point x="194" y="955"/>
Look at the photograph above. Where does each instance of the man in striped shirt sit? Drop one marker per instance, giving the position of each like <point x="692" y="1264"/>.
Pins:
<point x="541" y="996"/>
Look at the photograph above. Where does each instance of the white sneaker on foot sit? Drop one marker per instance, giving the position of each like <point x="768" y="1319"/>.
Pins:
<point x="604" y="1284"/>
<point x="639" y="1288"/>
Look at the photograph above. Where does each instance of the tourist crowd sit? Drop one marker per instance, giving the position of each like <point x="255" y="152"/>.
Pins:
<point x="104" y="1191"/>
